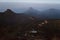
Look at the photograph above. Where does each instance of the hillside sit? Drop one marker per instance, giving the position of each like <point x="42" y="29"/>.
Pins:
<point x="14" y="26"/>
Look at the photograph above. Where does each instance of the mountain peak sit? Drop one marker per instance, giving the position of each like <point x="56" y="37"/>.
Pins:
<point x="30" y="8"/>
<point x="8" y="11"/>
<point x="32" y="12"/>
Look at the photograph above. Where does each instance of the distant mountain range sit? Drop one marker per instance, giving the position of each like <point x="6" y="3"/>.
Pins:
<point x="47" y="14"/>
<point x="29" y="14"/>
<point x="32" y="12"/>
<point x="51" y="14"/>
<point x="21" y="22"/>
<point x="10" y="17"/>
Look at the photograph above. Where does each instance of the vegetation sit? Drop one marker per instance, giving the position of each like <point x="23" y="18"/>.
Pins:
<point x="14" y="26"/>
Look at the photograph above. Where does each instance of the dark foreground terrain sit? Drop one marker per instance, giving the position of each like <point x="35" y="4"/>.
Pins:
<point x="19" y="26"/>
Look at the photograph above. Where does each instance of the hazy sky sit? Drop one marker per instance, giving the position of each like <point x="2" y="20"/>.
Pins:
<point x="22" y="5"/>
<point x="32" y="1"/>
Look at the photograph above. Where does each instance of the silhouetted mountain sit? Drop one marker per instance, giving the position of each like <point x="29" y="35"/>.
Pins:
<point x="8" y="12"/>
<point x="22" y="17"/>
<point x="47" y="14"/>
<point x="32" y="12"/>
<point x="15" y="25"/>
<point x="51" y="14"/>
<point x="10" y="17"/>
<point x="7" y="17"/>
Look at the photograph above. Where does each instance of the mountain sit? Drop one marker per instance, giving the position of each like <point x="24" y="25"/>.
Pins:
<point x="10" y="17"/>
<point x="7" y="17"/>
<point x="47" y="14"/>
<point x="32" y="12"/>
<point x="8" y="12"/>
<point x="51" y="14"/>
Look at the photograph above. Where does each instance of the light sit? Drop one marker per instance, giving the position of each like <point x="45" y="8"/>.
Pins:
<point x="42" y="23"/>
<point x="46" y="21"/>
<point x="33" y="31"/>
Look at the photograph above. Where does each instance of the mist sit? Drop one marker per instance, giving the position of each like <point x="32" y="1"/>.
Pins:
<point x="23" y="6"/>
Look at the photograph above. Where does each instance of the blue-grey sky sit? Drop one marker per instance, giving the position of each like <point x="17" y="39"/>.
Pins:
<point x="32" y="1"/>
<point x="22" y="5"/>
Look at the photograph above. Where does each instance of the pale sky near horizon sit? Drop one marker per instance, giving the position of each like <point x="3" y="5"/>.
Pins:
<point x="32" y="1"/>
<point x="19" y="5"/>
